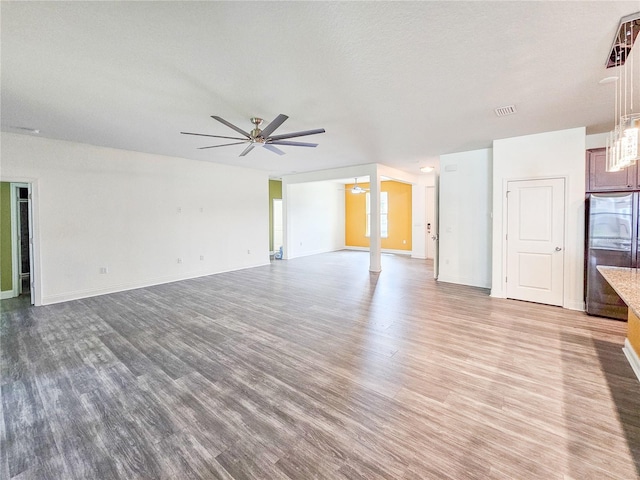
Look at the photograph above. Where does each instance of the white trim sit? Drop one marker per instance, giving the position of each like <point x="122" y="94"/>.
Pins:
<point x="16" y="254"/>
<point x="14" y="240"/>
<point x="632" y="356"/>
<point x="7" y="294"/>
<point x="123" y="287"/>
<point x="313" y="252"/>
<point x="579" y="306"/>
<point x="383" y="250"/>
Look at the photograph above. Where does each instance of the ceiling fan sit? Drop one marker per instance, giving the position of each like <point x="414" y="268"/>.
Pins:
<point x="357" y="188"/>
<point x="263" y="138"/>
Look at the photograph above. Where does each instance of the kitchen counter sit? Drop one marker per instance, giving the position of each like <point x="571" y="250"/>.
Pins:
<point x="626" y="283"/>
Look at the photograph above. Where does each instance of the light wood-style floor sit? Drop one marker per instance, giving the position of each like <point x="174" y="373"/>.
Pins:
<point x="315" y="368"/>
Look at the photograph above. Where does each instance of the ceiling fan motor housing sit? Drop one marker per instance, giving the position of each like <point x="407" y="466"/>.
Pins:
<point x="256" y="132"/>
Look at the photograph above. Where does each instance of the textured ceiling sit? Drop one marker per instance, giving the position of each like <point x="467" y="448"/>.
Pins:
<point x="397" y="83"/>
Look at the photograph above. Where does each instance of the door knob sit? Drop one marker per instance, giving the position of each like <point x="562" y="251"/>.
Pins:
<point x="558" y="249"/>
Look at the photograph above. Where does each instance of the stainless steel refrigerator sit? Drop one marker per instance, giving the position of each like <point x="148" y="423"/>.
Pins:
<point x="612" y="239"/>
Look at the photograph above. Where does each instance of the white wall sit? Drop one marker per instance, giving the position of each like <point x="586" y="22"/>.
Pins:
<point x="465" y="218"/>
<point x="315" y="217"/>
<point x="597" y="140"/>
<point x="135" y="214"/>
<point x="545" y="155"/>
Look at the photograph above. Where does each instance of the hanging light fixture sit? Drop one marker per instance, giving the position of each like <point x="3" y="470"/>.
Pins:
<point x="623" y="140"/>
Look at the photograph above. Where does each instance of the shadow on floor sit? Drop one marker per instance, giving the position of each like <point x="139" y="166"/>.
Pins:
<point x="17" y="303"/>
<point x="624" y="390"/>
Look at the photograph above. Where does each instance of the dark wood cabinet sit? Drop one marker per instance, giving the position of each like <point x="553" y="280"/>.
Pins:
<point x="599" y="180"/>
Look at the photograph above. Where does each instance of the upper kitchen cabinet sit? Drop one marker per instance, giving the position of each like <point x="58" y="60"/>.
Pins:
<point x="599" y="180"/>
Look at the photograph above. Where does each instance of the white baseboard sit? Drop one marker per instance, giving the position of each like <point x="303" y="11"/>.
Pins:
<point x="497" y="293"/>
<point x="78" y="294"/>
<point x="7" y="294"/>
<point x="312" y="252"/>
<point x="632" y="356"/>
<point x="578" y="305"/>
<point x="383" y="250"/>
<point x="472" y="282"/>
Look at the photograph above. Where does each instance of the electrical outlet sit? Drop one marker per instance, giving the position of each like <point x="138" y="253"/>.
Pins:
<point x="201" y="257"/>
<point x="179" y="209"/>
<point x="179" y="260"/>
<point x="104" y="270"/>
<point x="248" y="252"/>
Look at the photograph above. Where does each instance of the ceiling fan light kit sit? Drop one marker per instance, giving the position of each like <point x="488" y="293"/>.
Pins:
<point x="261" y="138"/>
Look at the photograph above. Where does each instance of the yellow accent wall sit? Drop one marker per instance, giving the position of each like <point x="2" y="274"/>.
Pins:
<point x="6" y="271"/>
<point x="399" y="195"/>
<point x="633" y="332"/>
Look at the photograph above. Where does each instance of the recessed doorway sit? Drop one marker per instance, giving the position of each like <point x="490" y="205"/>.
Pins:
<point x="277" y="224"/>
<point x="17" y="250"/>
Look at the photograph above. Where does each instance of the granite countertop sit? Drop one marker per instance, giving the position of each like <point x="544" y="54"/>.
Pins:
<point x="626" y="283"/>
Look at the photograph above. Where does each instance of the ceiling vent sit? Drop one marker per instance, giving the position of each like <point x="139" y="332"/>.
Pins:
<point x="508" y="110"/>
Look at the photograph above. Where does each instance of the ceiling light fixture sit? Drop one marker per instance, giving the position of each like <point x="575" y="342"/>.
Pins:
<point x="426" y="169"/>
<point x="358" y="189"/>
<point x="606" y="80"/>
<point x="622" y="142"/>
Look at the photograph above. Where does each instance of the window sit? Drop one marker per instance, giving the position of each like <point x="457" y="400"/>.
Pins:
<point x="384" y="217"/>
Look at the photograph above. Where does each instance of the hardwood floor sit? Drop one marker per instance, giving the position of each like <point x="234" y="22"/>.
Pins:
<point x="315" y="368"/>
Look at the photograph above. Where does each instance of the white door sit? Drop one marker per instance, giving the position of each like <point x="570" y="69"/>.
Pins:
<point x="277" y="223"/>
<point x="535" y="240"/>
<point x="431" y="227"/>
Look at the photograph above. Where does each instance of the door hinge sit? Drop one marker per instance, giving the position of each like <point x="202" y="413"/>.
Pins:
<point x="507" y="193"/>
<point x="506" y="237"/>
<point x="505" y="279"/>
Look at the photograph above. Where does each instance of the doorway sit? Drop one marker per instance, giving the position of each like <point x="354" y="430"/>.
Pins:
<point x="535" y="240"/>
<point x="277" y="224"/>
<point x="17" y="280"/>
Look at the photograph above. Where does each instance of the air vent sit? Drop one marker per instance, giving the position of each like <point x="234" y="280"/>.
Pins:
<point x="508" y="110"/>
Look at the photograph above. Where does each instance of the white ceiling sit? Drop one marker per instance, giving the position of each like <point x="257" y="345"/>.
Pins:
<point x="397" y="83"/>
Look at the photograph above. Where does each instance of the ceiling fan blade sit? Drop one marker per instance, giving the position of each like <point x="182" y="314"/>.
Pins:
<point x="275" y="123"/>
<point x="247" y="150"/>
<point x="293" y="144"/>
<point x="214" y="136"/>
<point x="297" y="134"/>
<point x="231" y="125"/>
<point x="223" y="145"/>
<point x="273" y="149"/>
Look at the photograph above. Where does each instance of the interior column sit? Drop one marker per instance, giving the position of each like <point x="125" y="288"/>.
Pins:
<point x="375" y="243"/>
